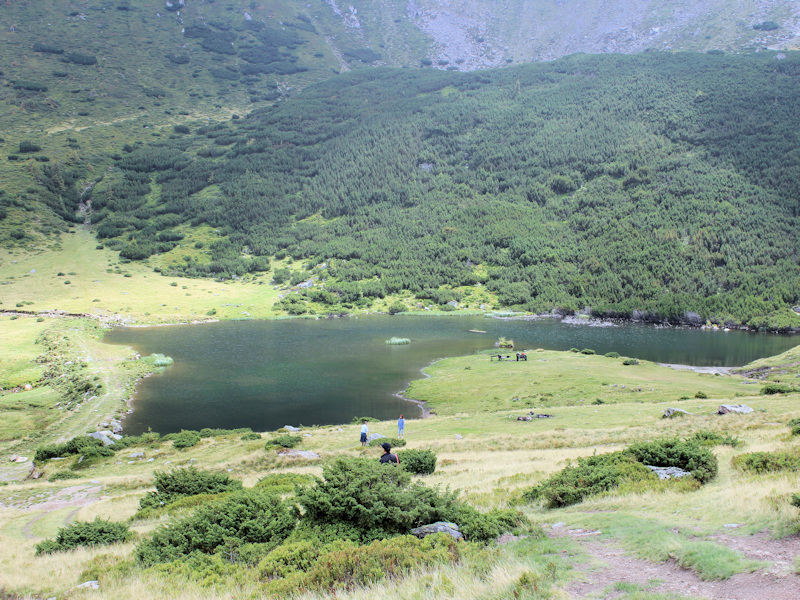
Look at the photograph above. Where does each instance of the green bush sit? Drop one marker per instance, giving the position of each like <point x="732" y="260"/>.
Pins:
<point x="768" y="462"/>
<point x="589" y="477"/>
<point x="361" y="498"/>
<point x="420" y="462"/>
<point x="776" y="388"/>
<point x="393" y="442"/>
<point x="630" y="362"/>
<point x="284" y="483"/>
<point x="704" y="437"/>
<point x="701" y="395"/>
<point x="186" y="439"/>
<point x="598" y="474"/>
<point x="251" y="436"/>
<point x="176" y="484"/>
<point x="251" y="516"/>
<point x="685" y="454"/>
<point x="612" y="354"/>
<point x="92" y="533"/>
<point x="87" y="446"/>
<point x="587" y="351"/>
<point x="284" y="441"/>
<point x="28" y="146"/>
<point x="344" y="565"/>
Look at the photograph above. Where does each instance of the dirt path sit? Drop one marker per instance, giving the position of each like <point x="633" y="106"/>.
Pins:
<point x="609" y="564"/>
<point x="75" y="497"/>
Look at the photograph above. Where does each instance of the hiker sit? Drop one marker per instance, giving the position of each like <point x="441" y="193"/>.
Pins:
<point x="364" y="432"/>
<point x="401" y="426"/>
<point x="387" y="457"/>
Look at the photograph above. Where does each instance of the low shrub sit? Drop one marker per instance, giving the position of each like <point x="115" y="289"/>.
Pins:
<point x="587" y="351"/>
<point x="589" y="477"/>
<point x="419" y="462"/>
<point x="91" y="533"/>
<point x="685" y="454"/>
<point x="701" y="395"/>
<point x="171" y="486"/>
<point x="359" y="420"/>
<point x="208" y="432"/>
<point x="64" y="475"/>
<point x="768" y="462"/>
<point x="598" y="474"/>
<point x="630" y="362"/>
<point x="393" y="442"/>
<point x="186" y="439"/>
<point x="84" y="445"/>
<point x="612" y="354"/>
<point x="251" y="516"/>
<point x="345" y="566"/>
<point x="247" y="437"/>
<point x="776" y="388"/>
<point x="284" y="441"/>
<point x="284" y="483"/>
<point x="704" y="437"/>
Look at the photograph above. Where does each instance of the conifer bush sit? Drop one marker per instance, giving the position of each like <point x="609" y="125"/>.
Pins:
<point x="179" y="483"/>
<point x="251" y="516"/>
<point x="92" y="533"/>
<point x="419" y="462"/>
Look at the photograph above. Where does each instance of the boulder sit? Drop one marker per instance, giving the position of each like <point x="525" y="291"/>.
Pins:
<point x="525" y="418"/>
<point x="375" y="436"/>
<point x="90" y="585"/>
<point x="742" y="409"/>
<point x="674" y="412"/>
<point x="291" y="429"/>
<point x="438" y="527"/>
<point x="99" y="435"/>
<point x="668" y="472"/>
<point x="137" y="455"/>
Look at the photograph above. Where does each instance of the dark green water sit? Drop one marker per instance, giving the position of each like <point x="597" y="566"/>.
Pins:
<point x="267" y="374"/>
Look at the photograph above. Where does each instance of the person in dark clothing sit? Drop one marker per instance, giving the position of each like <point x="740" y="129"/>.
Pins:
<point x="387" y="456"/>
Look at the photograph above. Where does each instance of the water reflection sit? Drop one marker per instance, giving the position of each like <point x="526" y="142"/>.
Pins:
<point x="266" y="374"/>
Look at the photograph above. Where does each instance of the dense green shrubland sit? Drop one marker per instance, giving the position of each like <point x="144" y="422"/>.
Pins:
<point x="605" y="472"/>
<point x="652" y="186"/>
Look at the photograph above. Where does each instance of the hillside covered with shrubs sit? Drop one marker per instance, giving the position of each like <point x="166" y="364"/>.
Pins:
<point x="654" y="186"/>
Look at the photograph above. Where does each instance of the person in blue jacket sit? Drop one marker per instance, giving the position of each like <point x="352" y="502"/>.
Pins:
<point x="401" y="425"/>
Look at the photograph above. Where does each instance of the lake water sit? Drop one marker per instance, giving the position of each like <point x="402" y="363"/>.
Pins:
<point x="267" y="374"/>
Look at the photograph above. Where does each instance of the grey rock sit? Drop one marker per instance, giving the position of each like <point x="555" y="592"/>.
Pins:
<point x="375" y="436"/>
<point x="459" y="436"/>
<point x="742" y="409"/>
<point x="557" y="525"/>
<point x="668" y="472"/>
<point x="674" y="412"/>
<point x="291" y="429"/>
<point x="137" y="455"/>
<point x="107" y="441"/>
<point x="90" y="585"/>
<point x="438" y="527"/>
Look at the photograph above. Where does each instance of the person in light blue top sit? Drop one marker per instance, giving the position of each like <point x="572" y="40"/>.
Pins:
<point x="364" y="432"/>
<point x="401" y="425"/>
